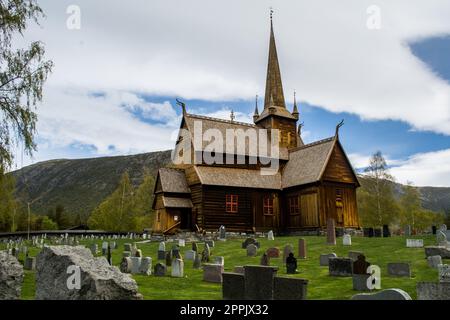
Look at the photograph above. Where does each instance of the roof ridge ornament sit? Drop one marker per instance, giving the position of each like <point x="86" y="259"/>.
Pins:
<point x="182" y="104"/>
<point x="340" y="124"/>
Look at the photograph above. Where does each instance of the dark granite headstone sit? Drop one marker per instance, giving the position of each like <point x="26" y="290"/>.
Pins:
<point x="371" y="233"/>
<point x="259" y="282"/>
<point x="339" y="232"/>
<point x="360" y="282"/>
<point x="161" y="255"/>
<point x="169" y="258"/>
<point x="265" y="260"/>
<point x="377" y="233"/>
<point x="289" y="288"/>
<point x="160" y="269"/>
<point x="360" y="266"/>
<point x="233" y="286"/>
<point x="250" y="241"/>
<point x="291" y="264"/>
<point x="340" y="267"/>
<point x="194" y="246"/>
<point x="434" y="229"/>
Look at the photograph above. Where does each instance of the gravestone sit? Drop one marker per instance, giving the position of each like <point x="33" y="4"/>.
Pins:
<point x="135" y="264"/>
<point x="273" y="252"/>
<point x="222" y="233"/>
<point x="371" y="233"/>
<point x="251" y="250"/>
<point x="190" y="255"/>
<point x="11" y="277"/>
<point x="233" y="286"/>
<point x="259" y="282"/>
<point x="169" y="258"/>
<point x="433" y="229"/>
<point x="407" y="231"/>
<point x="177" y="268"/>
<point x="354" y="255"/>
<point x="347" y="240"/>
<point x="210" y="243"/>
<point x="160" y="269"/>
<point x="99" y="280"/>
<point x="206" y="253"/>
<point x="360" y="265"/>
<point x="181" y="242"/>
<point x="360" y="282"/>
<point x="291" y="264"/>
<point x="138" y="253"/>
<point x="433" y="291"/>
<point x="250" y="241"/>
<point x="219" y="260"/>
<point x="127" y="247"/>
<point x="340" y="267"/>
<point x="388" y="294"/>
<point x="212" y="272"/>
<point x="175" y="251"/>
<point x="339" y="232"/>
<point x="324" y="258"/>
<point x="441" y="238"/>
<point x="270" y="236"/>
<point x="434" y="261"/>
<point x="146" y="266"/>
<point x="265" y="260"/>
<point x="414" y="243"/>
<point x="104" y="248"/>
<point x="331" y="233"/>
<point x="289" y="288"/>
<point x="386" y="231"/>
<point x="288" y="249"/>
<point x="113" y="245"/>
<point x="302" y="248"/>
<point x="194" y="246"/>
<point x="400" y="269"/>
<point x="444" y="273"/>
<point x="437" y="251"/>
<point x="29" y="263"/>
<point x="197" y="262"/>
<point x="126" y="254"/>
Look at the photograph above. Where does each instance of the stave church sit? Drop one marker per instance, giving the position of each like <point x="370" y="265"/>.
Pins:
<point x="314" y="181"/>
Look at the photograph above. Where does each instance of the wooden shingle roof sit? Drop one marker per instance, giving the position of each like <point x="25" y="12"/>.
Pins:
<point x="176" y="202"/>
<point x="307" y="163"/>
<point x="235" y="177"/>
<point x="173" y="180"/>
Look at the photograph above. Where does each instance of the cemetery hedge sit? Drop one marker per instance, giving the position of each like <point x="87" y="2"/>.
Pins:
<point x="379" y="251"/>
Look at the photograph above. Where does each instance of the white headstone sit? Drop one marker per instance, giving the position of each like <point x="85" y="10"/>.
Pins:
<point x="270" y="236"/>
<point x="347" y="240"/>
<point x="414" y="243"/>
<point x="177" y="268"/>
<point x="146" y="266"/>
<point x="181" y="242"/>
<point x="162" y="246"/>
<point x="190" y="255"/>
<point x="135" y="264"/>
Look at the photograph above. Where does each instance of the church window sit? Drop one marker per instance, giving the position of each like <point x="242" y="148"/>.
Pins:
<point x="293" y="206"/>
<point x="268" y="205"/>
<point x="231" y="203"/>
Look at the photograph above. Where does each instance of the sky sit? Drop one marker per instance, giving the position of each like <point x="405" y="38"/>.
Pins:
<point x="381" y="65"/>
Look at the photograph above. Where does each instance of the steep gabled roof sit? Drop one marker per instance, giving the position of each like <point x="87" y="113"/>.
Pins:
<point x="235" y="177"/>
<point x="172" y="180"/>
<point x="307" y="163"/>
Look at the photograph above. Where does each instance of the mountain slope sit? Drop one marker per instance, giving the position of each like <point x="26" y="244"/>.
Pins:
<point x="80" y="185"/>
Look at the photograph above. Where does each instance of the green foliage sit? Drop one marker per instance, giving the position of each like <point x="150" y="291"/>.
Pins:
<point x="47" y="224"/>
<point x="125" y="209"/>
<point x="8" y="204"/>
<point x="59" y="215"/>
<point x="23" y="73"/>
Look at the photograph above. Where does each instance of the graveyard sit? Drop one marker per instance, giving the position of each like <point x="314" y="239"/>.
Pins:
<point x="321" y="286"/>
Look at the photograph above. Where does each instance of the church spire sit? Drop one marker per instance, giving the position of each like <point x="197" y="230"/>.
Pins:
<point x="274" y="87"/>
<point x="295" y="110"/>
<point x="256" y="114"/>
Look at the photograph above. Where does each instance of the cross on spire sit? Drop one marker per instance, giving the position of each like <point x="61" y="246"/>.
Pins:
<point x="232" y="117"/>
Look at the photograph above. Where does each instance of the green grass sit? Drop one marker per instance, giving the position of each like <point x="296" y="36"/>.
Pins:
<point x="378" y="251"/>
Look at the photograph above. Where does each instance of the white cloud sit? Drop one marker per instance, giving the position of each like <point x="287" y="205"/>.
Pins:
<point x="425" y="169"/>
<point x="218" y="50"/>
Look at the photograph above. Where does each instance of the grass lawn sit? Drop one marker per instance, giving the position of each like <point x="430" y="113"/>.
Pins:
<point x="378" y="251"/>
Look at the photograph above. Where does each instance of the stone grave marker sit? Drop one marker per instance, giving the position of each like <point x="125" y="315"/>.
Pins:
<point x="194" y="246"/>
<point x="360" y="274"/>
<point x="437" y="251"/>
<point x="219" y="260"/>
<point x="210" y="243"/>
<point x="291" y="264"/>
<point x="434" y="261"/>
<point x="190" y="255"/>
<point x="11" y="275"/>
<point x="407" y="231"/>
<point x="252" y="250"/>
<point x="340" y="267"/>
<point x="444" y="273"/>
<point x="169" y="258"/>
<point x="273" y="252"/>
<point x="414" y="243"/>
<point x="399" y="269"/>
<point x="135" y="264"/>
<point x="377" y="232"/>
<point x="197" y="262"/>
<point x="347" y="240"/>
<point x="104" y="248"/>
<point x="233" y="286"/>
<point x="388" y="294"/>
<point x="354" y="255"/>
<point x="265" y="260"/>
<point x="146" y="266"/>
<point x="181" y="242"/>
<point x="433" y="291"/>
<point x="288" y="249"/>
<point x="212" y="272"/>
<point x="289" y="288"/>
<point x="127" y="247"/>
<point x="270" y="236"/>
<point x="160" y="269"/>
<point x="324" y="258"/>
<point x="222" y="233"/>
<point x="386" y="231"/>
<point x="250" y="241"/>
<point x="177" y="268"/>
<point x="259" y="282"/>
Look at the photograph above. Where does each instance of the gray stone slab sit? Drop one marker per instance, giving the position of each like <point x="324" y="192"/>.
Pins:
<point x="340" y="267"/>
<point x="388" y="294"/>
<point x="233" y="286"/>
<point x="259" y="282"/>
<point x="399" y="269"/>
<point x="325" y="258"/>
<point x="289" y="288"/>
<point x="433" y="291"/>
